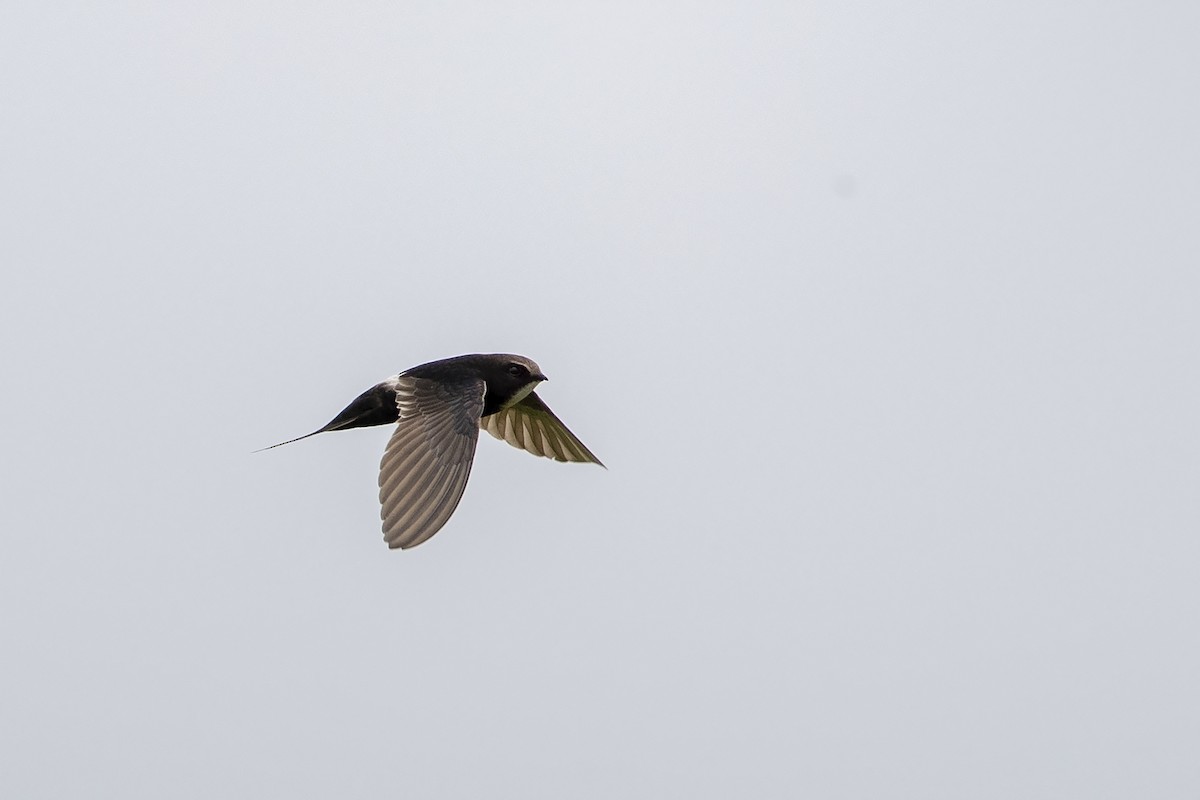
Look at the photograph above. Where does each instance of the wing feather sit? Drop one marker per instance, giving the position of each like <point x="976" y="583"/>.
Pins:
<point x="531" y="426"/>
<point x="425" y="468"/>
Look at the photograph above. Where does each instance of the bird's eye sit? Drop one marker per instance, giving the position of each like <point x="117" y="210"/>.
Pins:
<point x="516" y="370"/>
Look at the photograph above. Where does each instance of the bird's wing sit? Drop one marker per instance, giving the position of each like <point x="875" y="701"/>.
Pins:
<point x="532" y="426"/>
<point x="428" y="459"/>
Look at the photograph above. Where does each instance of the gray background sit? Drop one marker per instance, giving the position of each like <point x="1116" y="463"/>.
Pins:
<point x="883" y="317"/>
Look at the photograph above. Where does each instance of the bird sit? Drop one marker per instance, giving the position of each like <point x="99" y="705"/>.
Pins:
<point x="438" y="409"/>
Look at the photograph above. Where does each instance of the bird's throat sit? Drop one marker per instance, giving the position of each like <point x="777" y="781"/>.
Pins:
<point x="521" y="394"/>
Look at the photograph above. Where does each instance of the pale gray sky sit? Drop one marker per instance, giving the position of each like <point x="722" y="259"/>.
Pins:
<point x="883" y="316"/>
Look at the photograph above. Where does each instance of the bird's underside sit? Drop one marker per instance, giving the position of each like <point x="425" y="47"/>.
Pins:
<point x="428" y="460"/>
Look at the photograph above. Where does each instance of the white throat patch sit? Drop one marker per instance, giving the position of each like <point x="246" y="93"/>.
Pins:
<point x="521" y="394"/>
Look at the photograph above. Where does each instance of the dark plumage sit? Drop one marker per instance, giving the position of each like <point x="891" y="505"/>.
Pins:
<point x="439" y="408"/>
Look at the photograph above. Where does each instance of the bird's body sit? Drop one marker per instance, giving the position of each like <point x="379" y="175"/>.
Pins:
<point x="438" y="409"/>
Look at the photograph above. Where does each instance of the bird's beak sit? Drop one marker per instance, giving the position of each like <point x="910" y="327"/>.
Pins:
<point x="540" y="377"/>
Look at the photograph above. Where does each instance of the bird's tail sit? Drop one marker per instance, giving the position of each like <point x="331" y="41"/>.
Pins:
<point x="289" y="441"/>
<point x="375" y="406"/>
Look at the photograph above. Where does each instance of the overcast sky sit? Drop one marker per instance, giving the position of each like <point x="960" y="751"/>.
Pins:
<point x="884" y="318"/>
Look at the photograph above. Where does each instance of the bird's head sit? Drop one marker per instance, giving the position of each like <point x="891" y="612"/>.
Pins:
<point x="513" y="377"/>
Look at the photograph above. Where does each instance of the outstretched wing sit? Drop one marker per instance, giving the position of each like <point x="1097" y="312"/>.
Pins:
<point x="428" y="459"/>
<point x="532" y="426"/>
